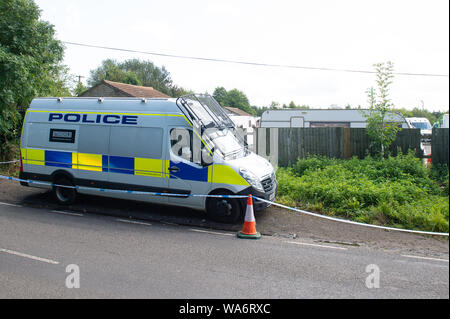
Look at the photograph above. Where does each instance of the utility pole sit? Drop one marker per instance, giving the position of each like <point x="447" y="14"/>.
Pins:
<point x="79" y="78"/>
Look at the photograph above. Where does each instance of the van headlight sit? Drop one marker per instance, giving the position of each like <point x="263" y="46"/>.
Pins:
<point x="251" y="179"/>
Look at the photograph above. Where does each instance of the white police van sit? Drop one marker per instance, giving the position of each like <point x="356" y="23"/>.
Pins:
<point x="178" y="146"/>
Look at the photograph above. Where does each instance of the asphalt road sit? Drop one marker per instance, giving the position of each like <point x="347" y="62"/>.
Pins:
<point x="123" y="258"/>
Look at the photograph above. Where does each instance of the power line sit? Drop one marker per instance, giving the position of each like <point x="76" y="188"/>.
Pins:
<point x="249" y="63"/>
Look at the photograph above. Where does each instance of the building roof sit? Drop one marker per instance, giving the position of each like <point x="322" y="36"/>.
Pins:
<point x="131" y="90"/>
<point x="236" y="111"/>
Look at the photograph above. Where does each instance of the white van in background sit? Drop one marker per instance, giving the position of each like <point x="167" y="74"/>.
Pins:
<point x="421" y="123"/>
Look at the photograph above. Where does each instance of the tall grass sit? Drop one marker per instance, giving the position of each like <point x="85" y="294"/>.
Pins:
<point x="398" y="191"/>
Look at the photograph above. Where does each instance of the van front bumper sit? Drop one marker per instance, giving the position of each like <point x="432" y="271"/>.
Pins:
<point x="257" y="204"/>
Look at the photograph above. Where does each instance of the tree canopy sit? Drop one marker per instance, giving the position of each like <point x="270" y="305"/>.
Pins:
<point x="233" y="98"/>
<point x="433" y="117"/>
<point x="30" y="63"/>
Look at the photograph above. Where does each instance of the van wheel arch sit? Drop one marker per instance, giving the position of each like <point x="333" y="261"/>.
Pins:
<point x="226" y="210"/>
<point x="63" y="195"/>
<point x="61" y="174"/>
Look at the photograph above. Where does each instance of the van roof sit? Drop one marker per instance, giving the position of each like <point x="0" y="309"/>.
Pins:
<point x="160" y="105"/>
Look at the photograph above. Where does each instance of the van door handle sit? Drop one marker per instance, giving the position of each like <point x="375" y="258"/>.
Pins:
<point x="174" y="169"/>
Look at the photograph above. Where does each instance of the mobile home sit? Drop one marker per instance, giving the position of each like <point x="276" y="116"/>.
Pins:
<point x="321" y="118"/>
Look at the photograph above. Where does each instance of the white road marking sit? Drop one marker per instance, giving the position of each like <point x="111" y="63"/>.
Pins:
<point x="210" y="232"/>
<point x="427" y="258"/>
<point x="12" y="252"/>
<point x="315" y="245"/>
<point x="8" y="204"/>
<point x="133" y="222"/>
<point x="168" y="223"/>
<point x="66" y="213"/>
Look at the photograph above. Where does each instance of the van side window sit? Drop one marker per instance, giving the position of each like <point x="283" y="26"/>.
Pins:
<point x="185" y="144"/>
<point x="144" y="142"/>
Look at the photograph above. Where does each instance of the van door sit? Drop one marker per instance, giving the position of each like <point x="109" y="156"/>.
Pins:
<point x="187" y="175"/>
<point x="136" y="163"/>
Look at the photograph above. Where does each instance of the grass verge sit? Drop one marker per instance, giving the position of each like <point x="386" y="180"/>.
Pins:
<point x="398" y="191"/>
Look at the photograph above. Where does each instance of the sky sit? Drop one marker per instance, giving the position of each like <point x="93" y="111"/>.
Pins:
<point x="339" y="34"/>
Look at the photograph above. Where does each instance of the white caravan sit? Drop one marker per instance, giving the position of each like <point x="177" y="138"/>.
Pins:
<point x="322" y="118"/>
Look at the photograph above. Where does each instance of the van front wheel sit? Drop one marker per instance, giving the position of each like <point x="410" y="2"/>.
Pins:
<point x="223" y="210"/>
<point x="64" y="195"/>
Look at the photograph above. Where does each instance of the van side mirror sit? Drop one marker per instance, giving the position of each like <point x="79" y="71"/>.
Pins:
<point x="207" y="157"/>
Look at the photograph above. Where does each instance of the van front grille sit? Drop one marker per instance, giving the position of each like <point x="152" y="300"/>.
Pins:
<point x="267" y="184"/>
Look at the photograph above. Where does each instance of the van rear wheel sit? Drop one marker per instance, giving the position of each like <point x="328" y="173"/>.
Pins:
<point x="64" y="195"/>
<point x="224" y="210"/>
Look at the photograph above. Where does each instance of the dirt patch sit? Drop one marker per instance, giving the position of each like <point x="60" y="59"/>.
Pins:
<point x="281" y="221"/>
<point x="272" y="222"/>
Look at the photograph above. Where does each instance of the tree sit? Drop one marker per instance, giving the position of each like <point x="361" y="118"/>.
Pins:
<point x="80" y="89"/>
<point x="258" y="111"/>
<point x="233" y="98"/>
<point x="30" y="64"/>
<point x="433" y="117"/>
<point x="136" y="72"/>
<point x="293" y="106"/>
<point x="274" y="105"/>
<point x="220" y="94"/>
<point x="380" y="127"/>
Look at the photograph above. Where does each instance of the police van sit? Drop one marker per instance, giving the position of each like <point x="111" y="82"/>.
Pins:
<point x="181" y="146"/>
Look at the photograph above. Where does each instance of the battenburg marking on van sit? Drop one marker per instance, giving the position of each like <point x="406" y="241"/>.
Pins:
<point x="226" y="175"/>
<point x="90" y="162"/>
<point x="33" y="157"/>
<point x="122" y="165"/>
<point x="132" y="166"/>
<point x="58" y="159"/>
<point x="148" y="167"/>
<point x="188" y="172"/>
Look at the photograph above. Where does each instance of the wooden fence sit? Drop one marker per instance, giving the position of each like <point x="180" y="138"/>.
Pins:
<point x="283" y="146"/>
<point x="439" y="146"/>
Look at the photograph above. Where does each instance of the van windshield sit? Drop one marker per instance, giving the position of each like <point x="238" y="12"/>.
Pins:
<point x="213" y="124"/>
<point x="422" y="125"/>
<point x="204" y="111"/>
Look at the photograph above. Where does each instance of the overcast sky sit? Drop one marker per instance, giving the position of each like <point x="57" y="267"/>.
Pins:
<point x="340" y="34"/>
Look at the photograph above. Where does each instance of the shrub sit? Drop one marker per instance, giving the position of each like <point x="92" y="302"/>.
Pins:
<point x="398" y="191"/>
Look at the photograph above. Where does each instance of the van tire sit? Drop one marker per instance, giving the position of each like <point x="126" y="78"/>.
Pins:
<point x="224" y="210"/>
<point x="63" y="195"/>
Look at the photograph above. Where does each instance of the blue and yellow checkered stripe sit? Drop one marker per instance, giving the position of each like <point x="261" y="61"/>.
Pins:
<point x="132" y="166"/>
<point x="94" y="162"/>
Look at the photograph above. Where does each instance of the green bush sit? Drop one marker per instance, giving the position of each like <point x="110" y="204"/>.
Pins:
<point x="398" y="191"/>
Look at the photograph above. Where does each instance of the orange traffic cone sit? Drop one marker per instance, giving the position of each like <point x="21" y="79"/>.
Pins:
<point x="249" y="229"/>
